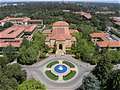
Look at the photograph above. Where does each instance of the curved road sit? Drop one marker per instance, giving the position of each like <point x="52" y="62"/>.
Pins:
<point x="36" y="71"/>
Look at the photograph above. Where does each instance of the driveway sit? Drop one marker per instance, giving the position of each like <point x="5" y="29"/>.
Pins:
<point x="36" y="71"/>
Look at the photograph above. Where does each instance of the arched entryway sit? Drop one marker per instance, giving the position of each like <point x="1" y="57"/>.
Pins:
<point x="60" y="46"/>
<point x="60" y="49"/>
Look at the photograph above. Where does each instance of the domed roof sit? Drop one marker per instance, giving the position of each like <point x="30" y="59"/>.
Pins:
<point x="60" y="23"/>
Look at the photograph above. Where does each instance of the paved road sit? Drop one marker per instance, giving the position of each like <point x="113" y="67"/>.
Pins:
<point x="36" y="71"/>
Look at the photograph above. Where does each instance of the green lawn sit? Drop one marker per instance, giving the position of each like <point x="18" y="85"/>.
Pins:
<point x="51" y="75"/>
<point x="52" y="63"/>
<point x="69" y="64"/>
<point x="70" y="75"/>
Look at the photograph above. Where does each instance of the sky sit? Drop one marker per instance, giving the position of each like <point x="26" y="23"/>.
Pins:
<point x="114" y="1"/>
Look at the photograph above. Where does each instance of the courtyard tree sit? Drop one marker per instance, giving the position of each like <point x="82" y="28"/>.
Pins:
<point x="90" y="82"/>
<point x="31" y="85"/>
<point x="113" y="82"/>
<point x="7" y="25"/>
<point x="26" y="43"/>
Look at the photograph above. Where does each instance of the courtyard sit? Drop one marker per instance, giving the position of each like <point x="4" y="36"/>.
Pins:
<point x="63" y="76"/>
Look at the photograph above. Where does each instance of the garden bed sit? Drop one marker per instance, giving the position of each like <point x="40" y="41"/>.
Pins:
<point x="70" y="75"/>
<point x="51" y="75"/>
<point x="52" y="63"/>
<point x="69" y="64"/>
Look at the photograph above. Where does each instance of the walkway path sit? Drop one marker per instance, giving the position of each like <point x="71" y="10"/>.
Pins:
<point x="36" y="71"/>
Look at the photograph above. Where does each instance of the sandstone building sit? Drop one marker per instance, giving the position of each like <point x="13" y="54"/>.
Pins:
<point x="60" y="37"/>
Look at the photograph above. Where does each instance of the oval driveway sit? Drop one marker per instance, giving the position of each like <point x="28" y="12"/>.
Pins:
<point x="36" y="71"/>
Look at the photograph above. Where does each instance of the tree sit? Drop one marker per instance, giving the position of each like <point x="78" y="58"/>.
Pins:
<point x="113" y="82"/>
<point x="31" y="85"/>
<point x="83" y="48"/>
<point x="103" y="69"/>
<point x="31" y="51"/>
<point x="113" y="56"/>
<point x="17" y="73"/>
<point x="3" y="61"/>
<point x="11" y="76"/>
<point x="10" y="53"/>
<point x="7" y="83"/>
<point x="7" y="24"/>
<point x="27" y="55"/>
<point x="90" y="82"/>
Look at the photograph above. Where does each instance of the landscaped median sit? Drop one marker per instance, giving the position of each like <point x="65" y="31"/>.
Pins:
<point x="60" y="70"/>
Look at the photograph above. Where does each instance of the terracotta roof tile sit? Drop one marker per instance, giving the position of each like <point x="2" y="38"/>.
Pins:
<point x="60" y="34"/>
<point x="16" y="43"/>
<point x="12" y="32"/>
<point x="98" y="35"/>
<point x="108" y="44"/>
<point x="16" y="30"/>
<point x="60" y="23"/>
<point x="30" y="28"/>
<point x="23" y="19"/>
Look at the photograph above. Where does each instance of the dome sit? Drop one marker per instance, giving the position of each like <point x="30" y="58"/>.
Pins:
<point x="60" y="23"/>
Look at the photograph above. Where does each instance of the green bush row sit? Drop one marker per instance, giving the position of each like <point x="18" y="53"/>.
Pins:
<point x="51" y="75"/>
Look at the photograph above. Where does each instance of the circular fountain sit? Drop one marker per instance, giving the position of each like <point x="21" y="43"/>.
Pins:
<point x="60" y="68"/>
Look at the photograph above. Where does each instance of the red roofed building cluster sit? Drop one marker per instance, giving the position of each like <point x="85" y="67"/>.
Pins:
<point x="22" y="27"/>
<point x="105" y="40"/>
<point x="14" y="35"/>
<point x="116" y="20"/>
<point x="20" y="20"/>
<point x="84" y="14"/>
<point x="60" y="37"/>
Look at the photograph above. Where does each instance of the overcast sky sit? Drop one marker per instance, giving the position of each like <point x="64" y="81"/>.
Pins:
<point x="114" y="1"/>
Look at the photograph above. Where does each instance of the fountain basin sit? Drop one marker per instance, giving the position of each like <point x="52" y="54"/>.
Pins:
<point x="60" y="68"/>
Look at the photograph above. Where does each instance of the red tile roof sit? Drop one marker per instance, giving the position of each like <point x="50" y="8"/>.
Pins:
<point x="108" y="44"/>
<point x="73" y="31"/>
<point x="30" y="28"/>
<point x="118" y="23"/>
<point x="37" y="21"/>
<point x="98" y="35"/>
<point x="12" y="32"/>
<point x="116" y="19"/>
<point x="16" y="30"/>
<point x="23" y="19"/>
<point x="86" y="15"/>
<point x="60" y="33"/>
<point x="60" y="24"/>
<point x="16" y="43"/>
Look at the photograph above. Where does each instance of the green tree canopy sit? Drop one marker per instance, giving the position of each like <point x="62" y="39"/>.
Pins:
<point x="31" y="51"/>
<point x="90" y="82"/>
<point x="10" y="53"/>
<point x="31" y="85"/>
<point x="7" y="24"/>
<point x="3" y="61"/>
<point x="113" y="82"/>
<point x="11" y="76"/>
<point x="103" y="69"/>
